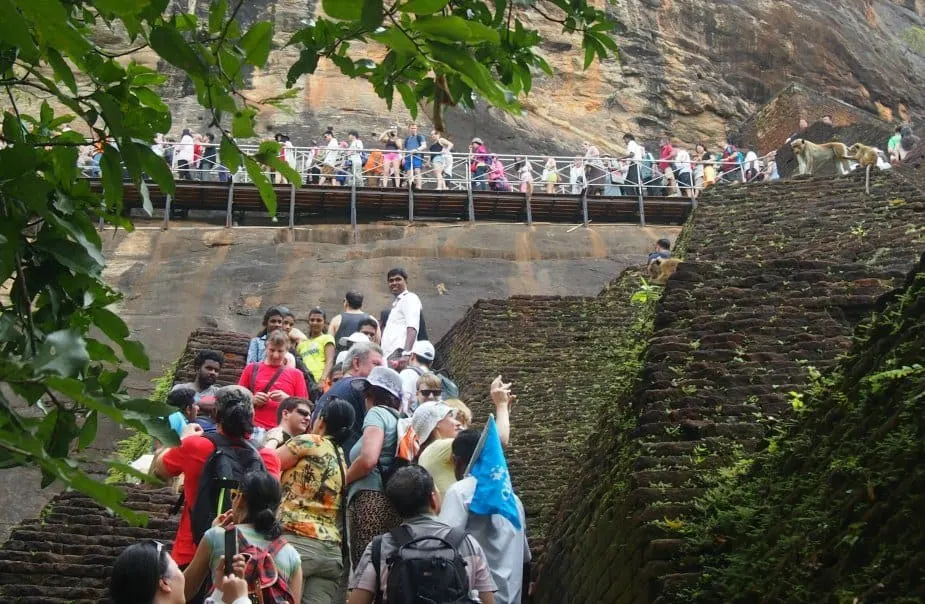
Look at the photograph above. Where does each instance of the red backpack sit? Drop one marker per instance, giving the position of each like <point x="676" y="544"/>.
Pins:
<point x="265" y="585"/>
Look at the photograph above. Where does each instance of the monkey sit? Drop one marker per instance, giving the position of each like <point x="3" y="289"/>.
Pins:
<point x="866" y="157"/>
<point x="662" y="268"/>
<point x="808" y="154"/>
<point x="441" y="289"/>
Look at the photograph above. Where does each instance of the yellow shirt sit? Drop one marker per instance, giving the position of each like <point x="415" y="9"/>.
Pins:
<point x="313" y="489"/>
<point x="438" y="461"/>
<point x="312" y="353"/>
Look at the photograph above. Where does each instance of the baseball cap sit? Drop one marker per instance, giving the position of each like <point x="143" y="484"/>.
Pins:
<point x="426" y="417"/>
<point x="385" y="378"/>
<point x="477" y="141"/>
<point x="354" y="338"/>
<point x="424" y="349"/>
<point x="340" y="357"/>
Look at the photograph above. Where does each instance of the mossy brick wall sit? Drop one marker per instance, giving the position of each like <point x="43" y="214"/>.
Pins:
<point x="232" y="346"/>
<point x="66" y="556"/>
<point x="834" y="507"/>
<point x="562" y="355"/>
<point x="775" y="279"/>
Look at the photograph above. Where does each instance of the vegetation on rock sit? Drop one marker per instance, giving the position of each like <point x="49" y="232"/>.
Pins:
<point x="831" y="510"/>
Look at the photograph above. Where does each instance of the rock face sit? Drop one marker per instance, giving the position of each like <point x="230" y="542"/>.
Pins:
<point x="694" y="68"/>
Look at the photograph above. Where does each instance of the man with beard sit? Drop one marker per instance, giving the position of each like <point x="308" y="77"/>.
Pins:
<point x="208" y="364"/>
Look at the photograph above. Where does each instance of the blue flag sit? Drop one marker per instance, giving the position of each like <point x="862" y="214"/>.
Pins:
<point x="493" y="492"/>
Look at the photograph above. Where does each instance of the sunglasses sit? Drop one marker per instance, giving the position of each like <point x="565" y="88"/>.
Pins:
<point x="431" y="392"/>
<point x="159" y="547"/>
<point x="303" y="412"/>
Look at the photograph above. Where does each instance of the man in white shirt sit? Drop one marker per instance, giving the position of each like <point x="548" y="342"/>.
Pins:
<point x="681" y="166"/>
<point x="751" y="165"/>
<point x="404" y="322"/>
<point x="634" y="153"/>
<point x="356" y="157"/>
<point x="506" y="548"/>
<point x="331" y="156"/>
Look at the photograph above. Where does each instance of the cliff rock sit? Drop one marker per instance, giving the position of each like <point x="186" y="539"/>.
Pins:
<point x="694" y="68"/>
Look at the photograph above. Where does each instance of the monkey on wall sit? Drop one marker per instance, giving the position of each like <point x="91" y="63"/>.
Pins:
<point x="662" y="268"/>
<point x="864" y="155"/>
<point x="810" y="154"/>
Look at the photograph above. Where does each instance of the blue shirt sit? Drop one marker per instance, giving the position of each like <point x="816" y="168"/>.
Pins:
<point x="256" y="350"/>
<point x="177" y="422"/>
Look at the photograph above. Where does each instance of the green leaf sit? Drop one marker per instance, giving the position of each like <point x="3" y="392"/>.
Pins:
<point x="50" y="19"/>
<point x="423" y="7"/>
<point x="283" y="167"/>
<point x="242" y="126"/>
<point x="217" y="12"/>
<point x="111" y="324"/>
<point x="344" y="10"/>
<point x="128" y="470"/>
<point x="156" y="167"/>
<point x="15" y="31"/>
<point x="371" y="15"/>
<point x="101" y="352"/>
<point x="150" y="99"/>
<point x="170" y="45"/>
<point x="267" y="194"/>
<point x="409" y="98"/>
<point x="256" y="43"/>
<point x="121" y="7"/>
<point x="111" y="165"/>
<point x="88" y="431"/>
<point x="451" y="28"/>
<point x="396" y="40"/>
<point x="135" y="354"/>
<point x="145" y="193"/>
<point x="482" y="33"/>
<point x="229" y="154"/>
<point x="63" y="352"/>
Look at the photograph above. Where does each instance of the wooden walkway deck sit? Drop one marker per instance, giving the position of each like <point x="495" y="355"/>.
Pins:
<point x="302" y="204"/>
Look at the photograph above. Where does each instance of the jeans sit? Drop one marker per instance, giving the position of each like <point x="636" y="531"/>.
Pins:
<point x="481" y="178"/>
<point x="323" y="577"/>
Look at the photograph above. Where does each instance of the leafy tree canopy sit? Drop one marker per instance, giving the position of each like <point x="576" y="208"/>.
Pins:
<point x="62" y="348"/>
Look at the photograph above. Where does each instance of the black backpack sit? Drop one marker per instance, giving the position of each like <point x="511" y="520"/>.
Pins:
<point x="222" y="473"/>
<point x="426" y="570"/>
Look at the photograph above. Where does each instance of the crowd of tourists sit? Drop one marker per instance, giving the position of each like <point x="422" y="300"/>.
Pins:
<point x="407" y="158"/>
<point x="342" y="467"/>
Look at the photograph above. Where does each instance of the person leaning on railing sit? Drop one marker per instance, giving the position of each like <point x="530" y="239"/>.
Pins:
<point x="479" y="166"/>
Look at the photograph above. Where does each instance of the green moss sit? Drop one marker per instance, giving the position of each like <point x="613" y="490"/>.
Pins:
<point x="914" y="36"/>
<point x="831" y="510"/>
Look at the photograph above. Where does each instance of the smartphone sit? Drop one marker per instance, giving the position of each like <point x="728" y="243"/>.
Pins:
<point x="231" y="547"/>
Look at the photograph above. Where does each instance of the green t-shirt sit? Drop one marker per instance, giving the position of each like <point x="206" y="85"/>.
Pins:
<point x="385" y="420"/>
<point x="287" y="559"/>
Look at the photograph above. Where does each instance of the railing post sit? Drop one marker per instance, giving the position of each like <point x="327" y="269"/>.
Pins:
<point x="411" y="195"/>
<point x="642" y="208"/>
<point x="527" y="195"/>
<point x="353" y="211"/>
<point x="230" y="201"/>
<point x="469" y="188"/>
<point x="167" y="213"/>
<point x="292" y="207"/>
<point x="584" y="205"/>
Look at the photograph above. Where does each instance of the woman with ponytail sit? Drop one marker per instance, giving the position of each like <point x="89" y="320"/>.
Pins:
<point x="313" y="510"/>
<point x="253" y="515"/>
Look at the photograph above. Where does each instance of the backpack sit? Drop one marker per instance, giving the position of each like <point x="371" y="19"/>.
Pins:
<point x="406" y="447"/>
<point x="222" y="473"/>
<point x="449" y="387"/>
<point x="424" y="570"/>
<point x="264" y="583"/>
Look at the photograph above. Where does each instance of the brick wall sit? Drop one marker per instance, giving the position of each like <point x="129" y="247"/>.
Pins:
<point x="777" y="276"/>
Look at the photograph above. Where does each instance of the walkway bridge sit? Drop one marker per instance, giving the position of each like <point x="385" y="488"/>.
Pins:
<point x="304" y="204"/>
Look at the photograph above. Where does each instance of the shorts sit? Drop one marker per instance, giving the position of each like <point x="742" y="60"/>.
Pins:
<point x="552" y="177"/>
<point x="327" y="170"/>
<point x="684" y="179"/>
<point x="437" y="163"/>
<point x="389" y="157"/>
<point x="415" y="161"/>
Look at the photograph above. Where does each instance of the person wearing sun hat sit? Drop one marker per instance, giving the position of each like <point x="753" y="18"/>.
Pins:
<point x="356" y="337"/>
<point x="479" y="165"/>
<point x="369" y="512"/>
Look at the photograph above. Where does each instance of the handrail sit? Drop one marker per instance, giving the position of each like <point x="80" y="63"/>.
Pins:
<point x="601" y="175"/>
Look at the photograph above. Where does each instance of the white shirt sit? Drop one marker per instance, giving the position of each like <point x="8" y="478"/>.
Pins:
<point x="505" y="547"/>
<point x="751" y="160"/>
<point x="185" y="149"/>
<point x="682" y="161"/>
<point x="409" y="387"/>
<point x="355" y="156"/>
<point x="405" y="313"/>
<point x="634" y="150"/>
<point x="289" y="152"/>
<point x="333" y="150"/>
